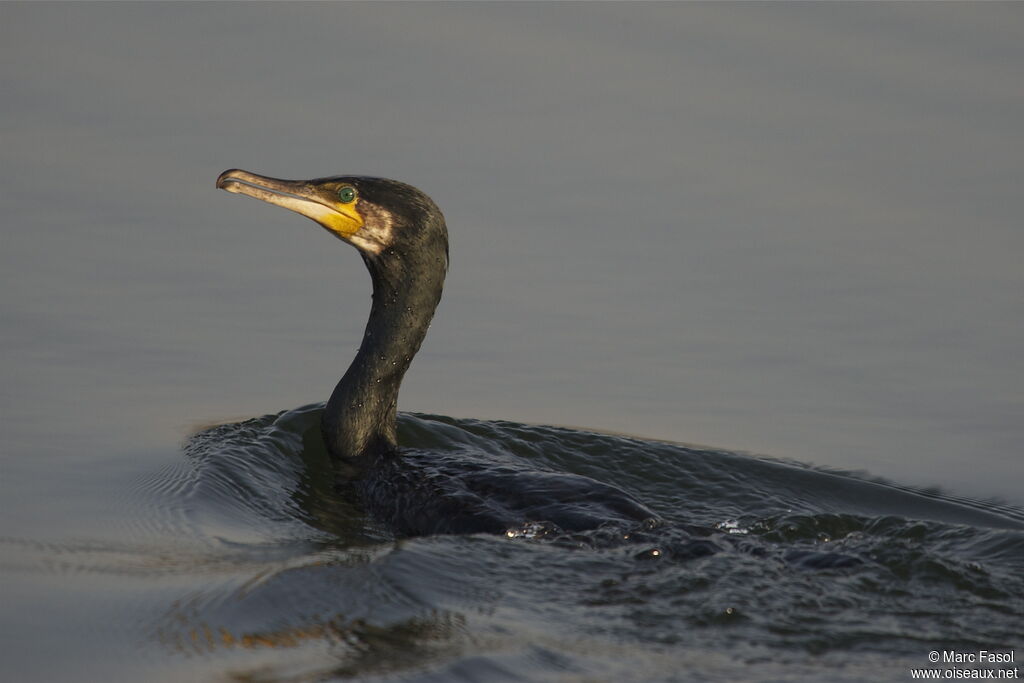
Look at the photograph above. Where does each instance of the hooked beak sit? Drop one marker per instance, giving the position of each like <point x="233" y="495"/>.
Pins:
<point x="301" y="196"/>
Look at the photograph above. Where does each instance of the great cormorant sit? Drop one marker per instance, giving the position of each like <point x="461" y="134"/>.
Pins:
<point x="403" y="239"/>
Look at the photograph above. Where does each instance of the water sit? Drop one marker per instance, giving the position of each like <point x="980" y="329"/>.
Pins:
<point x="240" y="561"/>
<point x="782" y="230"/>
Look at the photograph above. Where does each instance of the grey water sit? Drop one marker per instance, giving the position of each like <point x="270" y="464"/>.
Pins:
<point x="786" y="235"/>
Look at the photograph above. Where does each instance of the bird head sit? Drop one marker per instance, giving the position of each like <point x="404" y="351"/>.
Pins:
<point x="375" y="215"/>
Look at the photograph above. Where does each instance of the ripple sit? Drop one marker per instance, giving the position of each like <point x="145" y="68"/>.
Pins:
<point x="246" y="546"/>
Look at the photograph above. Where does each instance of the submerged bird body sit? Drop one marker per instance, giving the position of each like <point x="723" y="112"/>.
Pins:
<point x="403" y="239"/>
<point x="418" y="494"/>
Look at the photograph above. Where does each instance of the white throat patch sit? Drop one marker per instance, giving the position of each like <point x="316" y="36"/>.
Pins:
<point x="378" y="231"/>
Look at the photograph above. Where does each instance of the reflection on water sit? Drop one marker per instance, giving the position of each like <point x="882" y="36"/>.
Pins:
<point x="357" y="647"/>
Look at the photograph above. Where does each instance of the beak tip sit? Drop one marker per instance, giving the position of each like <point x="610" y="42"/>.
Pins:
<point x="224" y="178"/>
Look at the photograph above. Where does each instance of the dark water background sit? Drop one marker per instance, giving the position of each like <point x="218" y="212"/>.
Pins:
<point x="781" y="229"/>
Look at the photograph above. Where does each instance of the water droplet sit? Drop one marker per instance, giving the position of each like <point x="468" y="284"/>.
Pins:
<point x="731" y="526"/>
<point x="651" y="554"/>
<point x="531" y="530"/>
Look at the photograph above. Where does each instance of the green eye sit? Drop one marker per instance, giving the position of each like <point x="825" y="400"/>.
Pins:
<point x="347" y="194"/>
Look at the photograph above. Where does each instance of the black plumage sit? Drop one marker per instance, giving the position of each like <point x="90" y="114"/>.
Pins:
<point x="403" y="240"/>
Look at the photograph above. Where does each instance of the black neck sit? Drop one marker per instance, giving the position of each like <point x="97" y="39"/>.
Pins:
<point x="360" y="419"/>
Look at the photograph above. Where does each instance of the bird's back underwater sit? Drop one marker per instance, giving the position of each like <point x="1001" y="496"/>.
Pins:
<point x="657" y="559"/>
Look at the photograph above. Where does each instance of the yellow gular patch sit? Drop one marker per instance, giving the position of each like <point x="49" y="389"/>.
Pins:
<point x="342" y="219"/>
